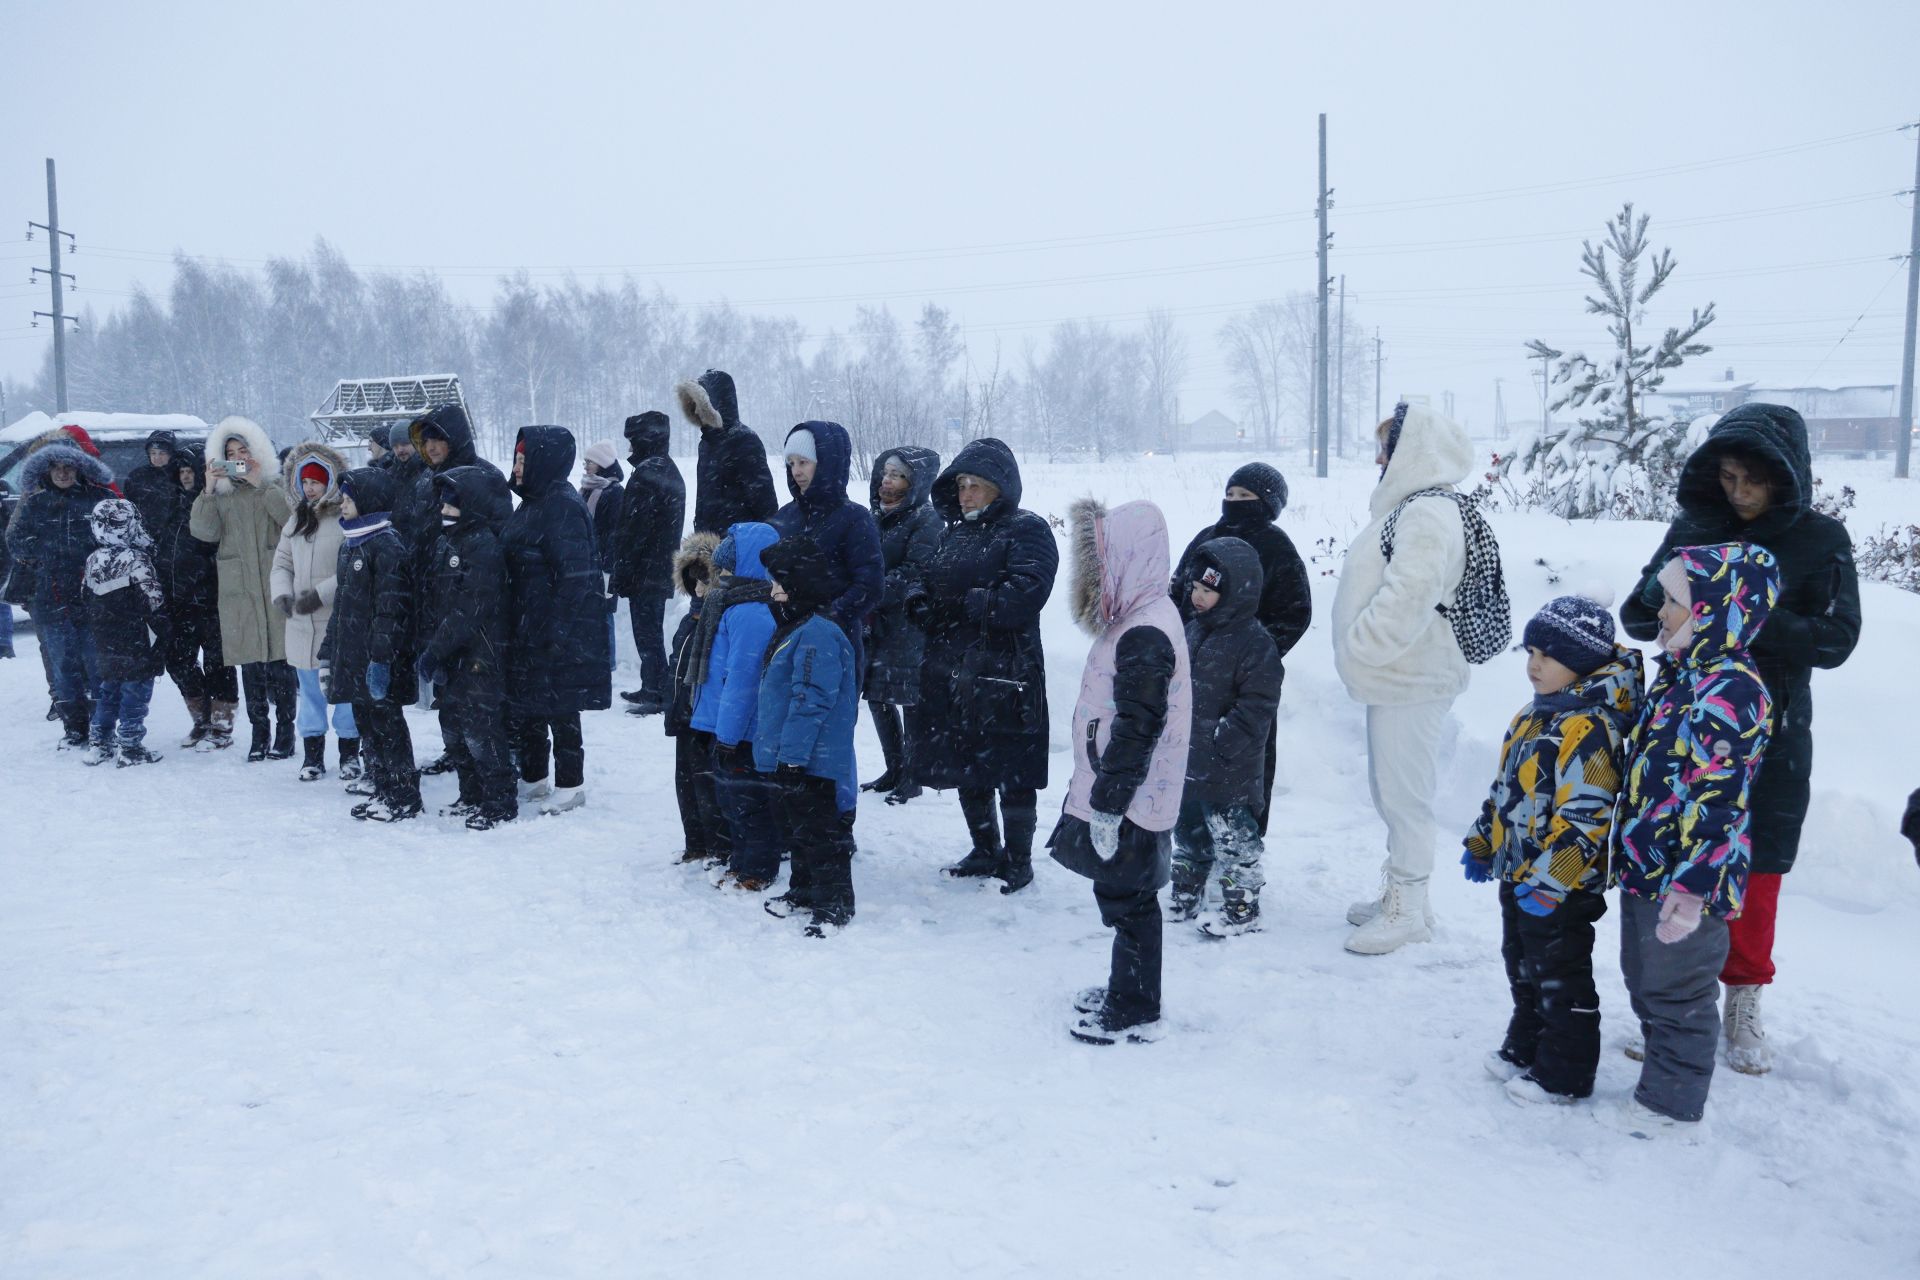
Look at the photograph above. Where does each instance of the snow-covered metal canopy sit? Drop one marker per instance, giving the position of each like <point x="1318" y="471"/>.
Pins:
<point x="356" y="406"/>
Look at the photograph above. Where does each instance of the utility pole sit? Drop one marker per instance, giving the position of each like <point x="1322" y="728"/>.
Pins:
<point x="1376" y="375"/>
<point x="52" y="271"/>
<point x="1546" y="394"/>
<point x="1499" y="413"/>
<point x="1340" y="373"/>
<point x="1321" y="288"/>
<point x="1903" y="448"/>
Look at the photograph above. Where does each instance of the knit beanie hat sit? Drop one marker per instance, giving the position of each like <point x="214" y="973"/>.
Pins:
<point x="800" y="445"/>
<point x="1575" y="631"/>
<point x="1267" y="485"/>
<point x="315" y="470"/>
<point x="601" y="454"/>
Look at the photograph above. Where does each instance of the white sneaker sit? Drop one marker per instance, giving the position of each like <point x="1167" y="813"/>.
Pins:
<point x="1402" y="919"/>
<point x="563" y="799"/>
<point x="1747" y="1049"/>
<point x="532" y="790"/>
<point x="1527" y="1091"/>
<point x="1637" y="1121"/>
<point x="1501" y="1069"/>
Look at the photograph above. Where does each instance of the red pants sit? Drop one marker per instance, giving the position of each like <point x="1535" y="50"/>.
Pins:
<point x="1750" y="938"/>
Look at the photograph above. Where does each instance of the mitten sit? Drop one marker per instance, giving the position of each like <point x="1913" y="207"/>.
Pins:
<point x="1478" y="870"/>
<point x="1535" y="900"/>
<point x="1105" y="829"/>
<point x="379" y="680"/>
<point x="307" y="601"/>
<point x="284" y="604"/>
<point x="1679" y="916"/>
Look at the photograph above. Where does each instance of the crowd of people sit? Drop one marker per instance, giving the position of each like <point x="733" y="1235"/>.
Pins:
<point x="333" y="597"/>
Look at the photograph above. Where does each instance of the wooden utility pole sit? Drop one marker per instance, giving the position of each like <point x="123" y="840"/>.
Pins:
<point x="59" y="278"/>
<point x="1376" y="376"/>
<point x="1321" y="289"/>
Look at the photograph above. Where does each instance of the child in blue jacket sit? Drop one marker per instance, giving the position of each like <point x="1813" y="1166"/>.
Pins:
<point x="735" y="625"/>
<point x="809" y="696"/>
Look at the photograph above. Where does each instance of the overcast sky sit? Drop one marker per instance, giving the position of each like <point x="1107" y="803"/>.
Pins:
<point x="802" y="158"/>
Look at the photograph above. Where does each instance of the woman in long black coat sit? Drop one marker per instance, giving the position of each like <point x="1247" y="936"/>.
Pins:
<point x="559" y="659"/>
<point x="981" y="722"/>
<point x="1256" y="494"/>
<point x="1752" y="481"/>
<point x="898" y="491"/>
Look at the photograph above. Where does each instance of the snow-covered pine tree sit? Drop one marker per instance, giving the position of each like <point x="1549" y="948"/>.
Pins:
<point x="1617" y="459"/>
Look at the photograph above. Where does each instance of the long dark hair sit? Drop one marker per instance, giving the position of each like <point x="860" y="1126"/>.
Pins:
<point x="306" y="521"/>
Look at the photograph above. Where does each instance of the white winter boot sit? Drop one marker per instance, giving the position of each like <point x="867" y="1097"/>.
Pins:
<point x="1358" y="913"/>
<point x="531" y="791"/>
<point x="1747" y="1048"/>
<point x="1402" y="919"/>
<point x="564" y="799"/>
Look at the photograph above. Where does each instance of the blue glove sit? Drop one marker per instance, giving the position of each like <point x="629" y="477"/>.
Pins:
<point x="1534" y="900"/>
<point x="1479" y="870"/>
<point x="379" y="679"/>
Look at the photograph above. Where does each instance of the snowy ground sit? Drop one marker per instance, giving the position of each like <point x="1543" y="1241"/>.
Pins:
<point x="242" y="1035"/>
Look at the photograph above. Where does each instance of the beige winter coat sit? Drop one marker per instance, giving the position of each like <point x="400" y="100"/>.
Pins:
<point x="245" y="521"/>
<point x="1391" y="646"/>
<point x="307" y="562"/>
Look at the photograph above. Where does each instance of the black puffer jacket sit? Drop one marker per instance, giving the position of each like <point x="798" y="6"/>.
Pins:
<point x="909" y="536"/>
<point x="373" y="599"/>
<point x="605" y="512"/>
<point x="49" y="537"/>
<point x="733" y="480"/>
<point x="1236" y="680"/>
<point x="1816" y="622"/>
<point x="466" y="594"/>
<point x="152" y="489"/>
<point x="558" y="659"/>
<point x="186" y="564"/>
<point x="652" y="511"/>
<point x="416" y="517"/>
<point x="843" y="529"/>
<point x="983" y="587"/>
<point x="1286" y="599"/>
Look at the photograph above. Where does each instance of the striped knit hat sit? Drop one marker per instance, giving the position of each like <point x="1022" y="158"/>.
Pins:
<point x="1575" y="631"/>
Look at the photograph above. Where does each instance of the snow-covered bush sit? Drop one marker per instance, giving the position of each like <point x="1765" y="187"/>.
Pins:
<point x="1892" y="555"/>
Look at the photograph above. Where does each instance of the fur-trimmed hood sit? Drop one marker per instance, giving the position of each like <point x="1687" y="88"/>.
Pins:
<point x="1433" y="453"/>
<point x="33" y="472"/>
<point x="314" y="451"/>
<point x="1121" y="561"/>
<point x="266" y="459"/>
<point x="710" y="401"/>
<point x="695" y="552"/>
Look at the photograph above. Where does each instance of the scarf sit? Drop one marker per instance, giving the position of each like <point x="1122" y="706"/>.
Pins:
<point x="360" y="528"/>
<point x="593" y="485"/>
<point x="728" y="592"/>
<point x="787" y="617"/>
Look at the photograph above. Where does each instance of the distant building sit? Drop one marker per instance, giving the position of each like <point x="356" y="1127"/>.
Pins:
<point x="1214" y="430"/>
<point x="1855" y="420"/>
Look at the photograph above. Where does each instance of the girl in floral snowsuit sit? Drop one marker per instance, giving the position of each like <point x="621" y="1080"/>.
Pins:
<point x="1681" y="842"/>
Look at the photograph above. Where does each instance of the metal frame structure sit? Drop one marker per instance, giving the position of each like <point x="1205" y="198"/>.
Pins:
<point x="356" y="406"/>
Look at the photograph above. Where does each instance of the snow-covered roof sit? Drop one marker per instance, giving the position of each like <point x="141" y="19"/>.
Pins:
<point x="1702" y="389"/>
<point x="99" y="424"/>
<point x="1834" y="402"/>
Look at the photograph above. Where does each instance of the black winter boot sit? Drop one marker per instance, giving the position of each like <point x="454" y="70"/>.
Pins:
<point x="201" y="709"/>
<point x="351" y="766"/>
<point x="313" y="766"/>
<point x="257" y="749"/>
<point x="75" y="725"/>
<point x="1016" y="868"/>
<point x="282" y="748"/>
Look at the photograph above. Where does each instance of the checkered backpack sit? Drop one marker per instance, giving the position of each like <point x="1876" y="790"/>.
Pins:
<point x="1481" y="615"/>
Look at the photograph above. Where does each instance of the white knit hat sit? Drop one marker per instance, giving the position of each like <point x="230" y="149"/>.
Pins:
<point x="800" y="445"/>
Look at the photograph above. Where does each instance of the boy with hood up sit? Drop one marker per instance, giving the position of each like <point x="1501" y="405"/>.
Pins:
<point x="1236" y="696"/>
<point x="125" y="606"/>
<point x="464" y="651"/>
<point x="366" y="654"/>
<point x="809" y="697"/>
<point x="734" y="630"/>
<point x="1682" y="838"/>
<point x="1130" y="730"/>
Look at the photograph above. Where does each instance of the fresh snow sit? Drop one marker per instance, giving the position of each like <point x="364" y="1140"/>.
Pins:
<point x="245" y="1036"/>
